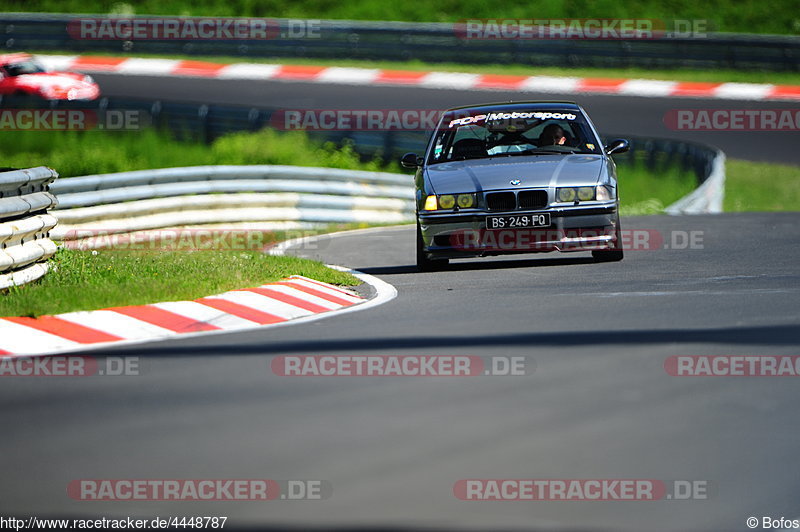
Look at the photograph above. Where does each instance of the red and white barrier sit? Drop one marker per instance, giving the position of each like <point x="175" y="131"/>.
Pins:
<point x="433" y="80"/>
<point x="268" y="305"/>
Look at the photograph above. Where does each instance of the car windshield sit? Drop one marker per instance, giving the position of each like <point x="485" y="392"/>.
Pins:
<point x="23" y="67"/>
<point x="481" y="133"/>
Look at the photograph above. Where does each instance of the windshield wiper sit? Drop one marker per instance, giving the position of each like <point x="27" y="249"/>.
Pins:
<point x="553" y="152"/>
<point x="520" y="153"/>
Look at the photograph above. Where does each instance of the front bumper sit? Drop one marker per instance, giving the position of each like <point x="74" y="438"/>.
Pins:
<point x="572" y="228"/>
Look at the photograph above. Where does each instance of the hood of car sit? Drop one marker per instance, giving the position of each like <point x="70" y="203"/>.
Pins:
<point x="503" y="173"/>
<point x="50" y="79"/>
<point x="66" y="85"/>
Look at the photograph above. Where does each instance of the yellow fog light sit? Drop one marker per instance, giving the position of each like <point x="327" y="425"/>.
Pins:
<point x="430" y="203"/>
<point x="586" y="193"/>
<point x="566" y="194"/>
<point x="447" y="201"/>
<point x="465" y="201"/>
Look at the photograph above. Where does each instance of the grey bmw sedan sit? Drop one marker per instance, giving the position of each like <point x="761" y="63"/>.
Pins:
<point x="520" y="177"/>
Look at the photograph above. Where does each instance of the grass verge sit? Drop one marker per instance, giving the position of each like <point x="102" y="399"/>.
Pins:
<point x="81" y="280"/>
<point x="644" y="191"/>
<point x="761" y="187"/>
<point x="75" y="153"/>
<point x="711" y="76"/>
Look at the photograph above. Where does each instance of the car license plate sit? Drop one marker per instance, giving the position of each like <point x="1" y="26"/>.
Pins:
<point x="539" y="219"/>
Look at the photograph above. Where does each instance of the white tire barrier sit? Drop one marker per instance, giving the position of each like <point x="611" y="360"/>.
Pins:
<point x="25" y="225"/>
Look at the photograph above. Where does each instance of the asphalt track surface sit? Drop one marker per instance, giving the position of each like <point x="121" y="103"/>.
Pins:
<point x="611" y="113"/>
<point x="598" y="405"/>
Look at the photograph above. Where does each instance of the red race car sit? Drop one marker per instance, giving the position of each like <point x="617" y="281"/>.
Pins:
<point x="21" y="74"/>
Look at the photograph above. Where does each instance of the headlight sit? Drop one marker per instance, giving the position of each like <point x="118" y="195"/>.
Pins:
<point x="447" y="201"/>
<point x="604" y="193"/>
<point x="88" y="79"/>
<point x="465" y="201"/>
<point x="570" y="194"/>
<point x="566" y="194"/>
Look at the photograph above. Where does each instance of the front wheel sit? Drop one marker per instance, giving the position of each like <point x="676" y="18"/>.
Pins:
<point x="608" y="255"/>
<point x="614" y="254"/>
<point x="425" y="264"/>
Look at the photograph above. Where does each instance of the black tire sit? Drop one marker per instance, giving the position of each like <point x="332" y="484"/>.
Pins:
<point x="425" y="264"/>
<point x="614" y="254"/>
<point x="608" y="255"/>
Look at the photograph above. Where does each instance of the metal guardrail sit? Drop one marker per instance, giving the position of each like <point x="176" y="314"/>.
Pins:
<point x="218" y="173"/>
<point x="274" y="196"/>
<point x="432" y="42"/>
<point x="24" y="225"/>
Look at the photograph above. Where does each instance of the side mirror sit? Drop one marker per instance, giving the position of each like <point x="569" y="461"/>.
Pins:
<point x="617" y="146"/>
<point x="410" y="160"/>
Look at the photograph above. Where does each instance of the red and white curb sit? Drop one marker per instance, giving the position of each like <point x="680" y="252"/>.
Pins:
<point x="430" y="80"/>
<point x="292" y="300"/>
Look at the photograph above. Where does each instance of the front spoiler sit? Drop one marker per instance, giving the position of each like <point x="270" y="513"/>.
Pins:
<point x="461" y="235"/>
